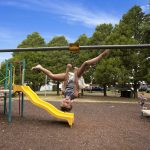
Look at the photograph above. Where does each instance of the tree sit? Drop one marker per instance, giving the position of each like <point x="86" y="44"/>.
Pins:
<point x="130" y="26"/>
<point x="128" y="32"/>
<point x="109" y="71"/>
<point x="82" y="56"/>
<point x="145" y="38"/>
<point x="82" y="40"/>
<point x="145" y="29"/>
<point x="32" y="58"/>
<point x="33" y="40"/>
<point x="130" y="23"/>
<point x="57" y="60"/>
<point x="102" y="31"/>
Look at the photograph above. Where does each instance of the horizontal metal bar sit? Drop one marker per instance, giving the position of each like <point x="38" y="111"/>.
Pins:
<point x="91" y="47"/>
<point x="137" y="46"/>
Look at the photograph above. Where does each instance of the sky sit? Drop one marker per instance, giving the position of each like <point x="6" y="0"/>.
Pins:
<point x="19" y="18"/>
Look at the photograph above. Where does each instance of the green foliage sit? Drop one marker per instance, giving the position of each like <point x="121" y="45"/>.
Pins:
<point x="58" y="41"/>
<point x="33" y="40"/>
<point x="147" y="76"/>
<point x="109" y="71"/>
<point x="130" y="23"/>
<point x="57" y="60"/>
<point x="32" y="58"/>
<point x="145" y="29"/>
<point x="82" y="40"/>
<point x="102" y="31"/>
<point x="2" y="74"/>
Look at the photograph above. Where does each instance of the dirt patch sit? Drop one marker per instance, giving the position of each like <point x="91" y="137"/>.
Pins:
<point x="97" y="126"/>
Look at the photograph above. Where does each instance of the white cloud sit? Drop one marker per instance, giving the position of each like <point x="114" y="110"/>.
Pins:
<point x="145" y="8"/>
<point x="71" y="12"/>
<point x="87" y="17"/>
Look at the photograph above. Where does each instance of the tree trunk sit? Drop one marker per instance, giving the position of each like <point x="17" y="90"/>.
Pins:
<point x="58" y="87"/>
<point x="105" y="90"/>
<point x="82" y="92"/>
<point x="135" y="89"/>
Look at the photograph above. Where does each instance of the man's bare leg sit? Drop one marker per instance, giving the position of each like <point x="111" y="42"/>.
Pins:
<point x="91" y="62"/>
<point x="58" y="77"/>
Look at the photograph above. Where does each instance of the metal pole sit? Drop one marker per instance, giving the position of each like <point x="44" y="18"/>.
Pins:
<point x="10" y="96"/>
<point x="45" y="84"/>
<point x="22" y="104"/>
<point x="19" y="103"/>
<point x="91" y="47"/>
<point x="23" y="78"/>
<point x="5" y="86"/>
<point x="23" y="71"/>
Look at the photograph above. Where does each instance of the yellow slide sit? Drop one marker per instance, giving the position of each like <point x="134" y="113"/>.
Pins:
<point x="33" y="97"/>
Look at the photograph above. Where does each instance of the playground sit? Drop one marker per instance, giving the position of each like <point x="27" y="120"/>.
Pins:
<point x="74" y="75"/>
<point x="31" y="121"/>
<point x="98" y="125"/>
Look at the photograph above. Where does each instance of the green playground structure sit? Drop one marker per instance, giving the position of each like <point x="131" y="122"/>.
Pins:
<point x="7" y="83"/>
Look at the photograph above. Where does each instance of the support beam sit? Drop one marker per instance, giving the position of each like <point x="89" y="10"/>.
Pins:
<point x="93" y="47"/>
<point x="10" y="96"/>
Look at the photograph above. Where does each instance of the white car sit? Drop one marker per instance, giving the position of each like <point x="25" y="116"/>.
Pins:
<point x="148" y="89"/>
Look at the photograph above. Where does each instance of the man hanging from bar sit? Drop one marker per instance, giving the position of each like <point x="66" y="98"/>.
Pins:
<point x="71" y="79"/>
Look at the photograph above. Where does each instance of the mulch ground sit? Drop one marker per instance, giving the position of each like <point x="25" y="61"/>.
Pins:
<point x="104" y="126"/>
